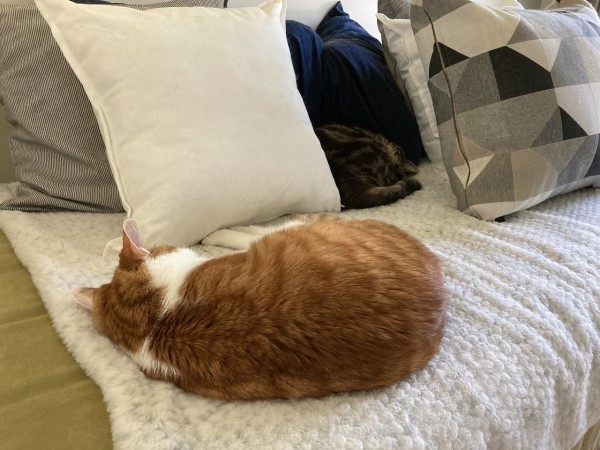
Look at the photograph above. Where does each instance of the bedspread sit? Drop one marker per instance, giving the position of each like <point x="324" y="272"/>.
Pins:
<point x="519" y="365"/>
<point x="46" y="401"/>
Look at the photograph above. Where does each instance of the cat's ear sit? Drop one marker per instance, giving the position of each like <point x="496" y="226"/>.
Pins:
<point x="410" y="168"/>
<point x="133" y="242"/>
<point x="85" y="297"/>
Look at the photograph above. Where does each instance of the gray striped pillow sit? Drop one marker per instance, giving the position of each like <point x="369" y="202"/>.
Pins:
<point x="56" y="147"/>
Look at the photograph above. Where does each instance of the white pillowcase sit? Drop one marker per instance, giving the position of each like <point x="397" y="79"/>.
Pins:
<point x="198" y="107"/>
<point x="311" y="12"/>
<point x="401" y="44"/>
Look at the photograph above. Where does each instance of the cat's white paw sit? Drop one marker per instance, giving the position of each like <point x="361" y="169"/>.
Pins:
<point x="230" y="239"/>
<point x="251" y="229"/>
<point x="241" y="237"/>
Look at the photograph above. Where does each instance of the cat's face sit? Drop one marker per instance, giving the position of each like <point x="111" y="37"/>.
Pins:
<point x="129" y="298"/>
<point x="91" y="299"/>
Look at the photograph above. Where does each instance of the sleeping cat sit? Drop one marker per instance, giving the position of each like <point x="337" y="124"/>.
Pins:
<point x="368" y="169"/>
<point x="309" y="309"/>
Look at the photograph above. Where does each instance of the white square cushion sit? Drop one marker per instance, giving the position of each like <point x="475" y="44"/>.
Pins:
<point x="198" y="107"/>
<point x="408" y="72"/>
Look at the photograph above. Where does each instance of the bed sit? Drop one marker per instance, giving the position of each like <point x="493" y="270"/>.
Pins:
<point x="519" y="366"/>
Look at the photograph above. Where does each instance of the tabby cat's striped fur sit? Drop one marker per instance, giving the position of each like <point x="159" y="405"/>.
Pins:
<point x="368" y="169"/>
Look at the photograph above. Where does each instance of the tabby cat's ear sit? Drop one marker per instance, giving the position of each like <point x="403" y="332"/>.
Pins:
<point x="410" y="168"/>
<point x="84" y="296"/>
<point x="133" y="242"/>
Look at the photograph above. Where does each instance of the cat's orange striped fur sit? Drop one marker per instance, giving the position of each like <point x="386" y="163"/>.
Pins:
<point x="309" y="310"/>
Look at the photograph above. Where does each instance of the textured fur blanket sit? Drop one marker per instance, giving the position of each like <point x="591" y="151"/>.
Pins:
<point x="519" y="366"/>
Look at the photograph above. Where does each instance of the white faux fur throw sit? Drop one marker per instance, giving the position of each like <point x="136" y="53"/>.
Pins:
<point x="519" y="367"/>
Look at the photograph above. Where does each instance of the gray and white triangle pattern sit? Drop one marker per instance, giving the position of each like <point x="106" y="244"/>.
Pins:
<point x="517" y="99"/>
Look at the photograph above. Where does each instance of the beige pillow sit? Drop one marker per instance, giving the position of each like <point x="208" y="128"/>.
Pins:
<point x="203" y="124"/>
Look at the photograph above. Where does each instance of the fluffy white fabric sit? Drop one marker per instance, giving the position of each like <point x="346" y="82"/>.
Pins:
<point x="519" y="366"/>
<point x="198" y="107"/>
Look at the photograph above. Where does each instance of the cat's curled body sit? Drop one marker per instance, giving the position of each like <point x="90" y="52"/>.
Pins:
<point x="369" y="170"/>
<point x="307" y="310"/>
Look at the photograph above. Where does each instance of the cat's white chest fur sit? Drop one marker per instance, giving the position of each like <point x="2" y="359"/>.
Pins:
<point x="169" y="271"/>
<point x="146" y="360"/>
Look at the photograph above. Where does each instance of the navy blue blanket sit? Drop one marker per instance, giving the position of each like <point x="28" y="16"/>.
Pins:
<point x="343" y="78"/>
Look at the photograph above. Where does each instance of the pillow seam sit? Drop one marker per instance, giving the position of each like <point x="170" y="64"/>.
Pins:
<point x="454" y="115"/>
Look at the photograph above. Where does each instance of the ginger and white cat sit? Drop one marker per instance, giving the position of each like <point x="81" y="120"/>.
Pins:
<point x="309" y="309"/>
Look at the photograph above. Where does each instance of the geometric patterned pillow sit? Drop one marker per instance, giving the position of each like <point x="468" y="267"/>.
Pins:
<point x="394" y="9"/>
<point x="517" y="99"/>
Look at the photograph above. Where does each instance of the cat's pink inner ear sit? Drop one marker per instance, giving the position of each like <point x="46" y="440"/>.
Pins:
<point x="134" y="235"/>
<point x="84" y="296"/>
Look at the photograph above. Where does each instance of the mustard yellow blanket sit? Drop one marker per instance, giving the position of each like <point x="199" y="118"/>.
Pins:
<point x="46" y="401"/>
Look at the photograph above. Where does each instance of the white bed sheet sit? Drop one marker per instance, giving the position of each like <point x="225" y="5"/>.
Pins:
<point x="519" y="366"/>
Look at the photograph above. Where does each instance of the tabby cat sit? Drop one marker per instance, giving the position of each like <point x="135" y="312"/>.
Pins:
<point x="368" y="169"/>
<point x="309" y="309"/>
